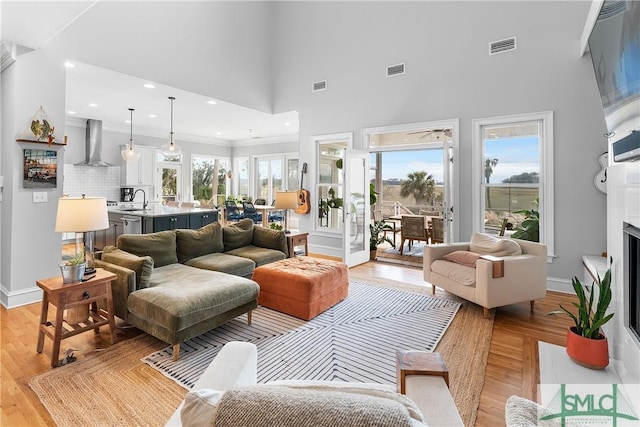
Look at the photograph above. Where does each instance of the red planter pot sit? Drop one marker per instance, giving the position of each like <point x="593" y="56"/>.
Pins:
<point x="590" y="353"/>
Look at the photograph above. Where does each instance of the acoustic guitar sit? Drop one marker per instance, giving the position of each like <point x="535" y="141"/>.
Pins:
<point x="600" y="180"/>
<point x="303" y="195"/>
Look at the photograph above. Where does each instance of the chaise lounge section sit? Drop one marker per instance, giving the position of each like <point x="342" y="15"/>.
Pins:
<point x="178" y="284"/>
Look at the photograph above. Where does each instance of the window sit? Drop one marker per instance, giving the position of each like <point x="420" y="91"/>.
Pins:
<point x="209" y="173"/>
<point x="513" y="173"/>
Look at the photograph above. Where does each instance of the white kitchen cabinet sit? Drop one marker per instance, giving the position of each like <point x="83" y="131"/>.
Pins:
<point x="140" y="172"/>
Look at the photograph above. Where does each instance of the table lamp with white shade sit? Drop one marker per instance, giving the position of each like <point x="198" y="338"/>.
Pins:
<point x="82" y="215"/>
<point x="286" y="200"/>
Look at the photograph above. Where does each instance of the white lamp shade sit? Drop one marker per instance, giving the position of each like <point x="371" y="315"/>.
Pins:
<point x="81" y="214"/>
<point x="286" y="200"/>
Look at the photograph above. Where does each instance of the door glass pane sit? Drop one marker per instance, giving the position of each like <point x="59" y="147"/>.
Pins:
<point x="169" y="185"/>
<point x="292" y="175"/>
<point x="209" y="180"/>
<point x="276" y="178"/>
<point x="263" y="179"/>
<point x="243" y="178"/>
<point x="330" y="185"/>
<point x="356" y="205"/>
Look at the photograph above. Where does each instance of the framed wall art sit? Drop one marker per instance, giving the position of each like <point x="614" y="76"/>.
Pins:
<point x="40" y="169"/>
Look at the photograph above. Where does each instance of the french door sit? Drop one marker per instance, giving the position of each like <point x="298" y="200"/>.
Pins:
<point x="356" y="208"/>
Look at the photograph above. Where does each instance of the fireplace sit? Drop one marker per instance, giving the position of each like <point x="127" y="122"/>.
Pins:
<point x="631" y="271"/>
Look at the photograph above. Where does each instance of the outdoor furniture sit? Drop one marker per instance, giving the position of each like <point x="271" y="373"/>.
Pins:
<point x="414" y="227"/>
<point x="232" y="213"/>
<point x="249" y="211"/>
<point x="437" y="230"/>
<point x="377" y="217"/>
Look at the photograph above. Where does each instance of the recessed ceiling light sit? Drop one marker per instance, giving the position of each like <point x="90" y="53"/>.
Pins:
<point x="212" y="102"/>
<point x="153" y="116"/>
<point x="150" y="86"/>
<point x="71" y="112"/>
<point x="69" y="64"/>
<point x="218" y="133"/>
<point x="127" y="121"/>
<point x="287" y="124"/>
<point x="93" y="105"/>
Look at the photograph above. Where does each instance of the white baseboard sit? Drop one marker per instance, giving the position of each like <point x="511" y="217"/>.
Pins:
<point x="559" y="285"/>
<point x="21" y="297"/>
<point x="326" y="250"/>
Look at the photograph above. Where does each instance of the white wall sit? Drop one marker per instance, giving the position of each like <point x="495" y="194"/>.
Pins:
<point x="214" y="48"/>
<point x="30" y="248"/>
<point x="449" y="74"/>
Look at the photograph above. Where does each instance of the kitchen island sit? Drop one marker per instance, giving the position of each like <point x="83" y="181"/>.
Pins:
<point x="156" y="217"/>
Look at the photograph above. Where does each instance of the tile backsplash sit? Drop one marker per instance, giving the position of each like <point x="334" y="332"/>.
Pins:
<point x="92" y="181"/>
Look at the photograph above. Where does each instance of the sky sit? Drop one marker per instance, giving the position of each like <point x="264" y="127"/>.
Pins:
<point x="515" y="156"/>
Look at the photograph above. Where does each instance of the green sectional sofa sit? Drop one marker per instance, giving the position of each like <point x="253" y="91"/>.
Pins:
<point x="178" y="284"/>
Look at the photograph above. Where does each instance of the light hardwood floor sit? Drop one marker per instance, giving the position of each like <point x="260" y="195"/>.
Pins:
<point x="512" y="365"/>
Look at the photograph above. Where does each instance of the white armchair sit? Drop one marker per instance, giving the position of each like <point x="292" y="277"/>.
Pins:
<point x="236" y="366"/>
<point x="483" y="271"/>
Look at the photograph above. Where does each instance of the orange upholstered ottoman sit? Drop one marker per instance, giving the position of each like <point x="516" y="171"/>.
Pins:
<point x="302" y="287"/>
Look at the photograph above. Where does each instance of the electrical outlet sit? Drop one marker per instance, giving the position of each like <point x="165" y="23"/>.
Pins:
<point x="39" y="197"/>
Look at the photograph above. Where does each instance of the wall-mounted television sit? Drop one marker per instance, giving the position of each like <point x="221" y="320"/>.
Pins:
<point x="615" y="51"/>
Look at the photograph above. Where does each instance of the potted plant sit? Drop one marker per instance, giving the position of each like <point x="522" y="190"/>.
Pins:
<point x="378" y="236"/>
<point x="73" y="269"/>
<point x="586" y="344"/>
<point x="530" y="229"/>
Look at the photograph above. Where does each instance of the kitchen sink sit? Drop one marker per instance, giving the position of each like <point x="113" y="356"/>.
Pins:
<point x="132" y="209"/>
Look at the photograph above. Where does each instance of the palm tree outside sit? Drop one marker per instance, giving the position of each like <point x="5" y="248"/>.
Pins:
<point x="419" y="185"/>
<point x="489" y="164"/>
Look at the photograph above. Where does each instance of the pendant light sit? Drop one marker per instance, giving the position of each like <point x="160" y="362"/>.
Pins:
<point x="170" y="149"/>
<point x="129" y="153"/>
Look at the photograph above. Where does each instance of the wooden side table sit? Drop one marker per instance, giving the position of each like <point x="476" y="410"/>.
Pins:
<point x="297" y="239"/>
<point x="68" y="295"/>
<point x="413" y="362"/>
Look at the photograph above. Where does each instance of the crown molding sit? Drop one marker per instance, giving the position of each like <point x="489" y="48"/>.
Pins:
<point x="266" y="140"/>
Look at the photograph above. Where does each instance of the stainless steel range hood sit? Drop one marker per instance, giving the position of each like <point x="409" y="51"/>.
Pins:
<point x="93" y="149"/>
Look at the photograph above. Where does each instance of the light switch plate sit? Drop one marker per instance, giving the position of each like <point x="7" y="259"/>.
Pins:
<point x="40" y="197"/>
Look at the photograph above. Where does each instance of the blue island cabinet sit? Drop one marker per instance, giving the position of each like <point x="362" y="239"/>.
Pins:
<point x="162" y="223"/>
<point x="200" y="219"/>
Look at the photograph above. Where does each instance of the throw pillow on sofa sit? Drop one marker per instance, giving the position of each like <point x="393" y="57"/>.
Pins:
<point x="143" y="266"/>
<point x="160" y="246"/>
<point x="317" y="405"/>
<point x="463" y="257"/>
<point x="194" y="243"/>
<point x="271" y="239"/>
<point x="486" y="244"/>
<point x="237" y="235"/>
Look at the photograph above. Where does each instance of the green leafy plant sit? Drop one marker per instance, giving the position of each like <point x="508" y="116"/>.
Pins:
<point x="587" y="322"/>
<point x="530" y="228"/>
<point x="275" y="226"/>
<point x="377" y="237"/>
<point x="373" y="194"/>
<point x="76" y="260"/>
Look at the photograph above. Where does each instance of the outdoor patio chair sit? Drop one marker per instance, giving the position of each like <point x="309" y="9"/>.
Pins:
<point x="437" y="230"/>
<point x="414" y="227"/>
<point x="249" y="211"/>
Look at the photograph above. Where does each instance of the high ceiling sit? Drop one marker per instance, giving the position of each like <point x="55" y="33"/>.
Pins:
<point x="196" y="118"/>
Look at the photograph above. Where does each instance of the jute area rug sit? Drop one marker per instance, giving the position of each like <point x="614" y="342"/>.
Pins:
<point x="116" y="388"/>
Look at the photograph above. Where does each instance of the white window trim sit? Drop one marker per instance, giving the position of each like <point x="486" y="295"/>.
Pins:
<point x="546" y="169"/>
<point x="190" y="172"/>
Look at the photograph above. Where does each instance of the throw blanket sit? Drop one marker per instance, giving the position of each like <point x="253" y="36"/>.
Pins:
<point x="275" y="406"/>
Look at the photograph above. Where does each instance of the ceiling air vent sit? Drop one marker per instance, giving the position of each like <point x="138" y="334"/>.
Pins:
<point x="318" y="86"/>
<point x="395" y="70"/>
<point x="501" y="46"/>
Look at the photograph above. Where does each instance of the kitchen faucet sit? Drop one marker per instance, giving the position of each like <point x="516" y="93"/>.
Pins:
<point x="144" y="197"/>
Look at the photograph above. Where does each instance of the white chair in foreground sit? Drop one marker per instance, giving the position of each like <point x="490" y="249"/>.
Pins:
<point x="234" y="370"/>
<point x="489" y="271"/>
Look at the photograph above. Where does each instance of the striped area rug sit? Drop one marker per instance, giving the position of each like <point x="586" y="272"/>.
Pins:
<point x="356" y="340"/>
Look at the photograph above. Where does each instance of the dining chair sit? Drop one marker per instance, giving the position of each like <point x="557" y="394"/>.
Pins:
<point x="437" y="230"/>
<point x="260" y="201"/>
<point x="414" y="227"/>
<point x="249" y="211"/>
<point x="232" y="213"/>
<point x="188" y="204"/>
